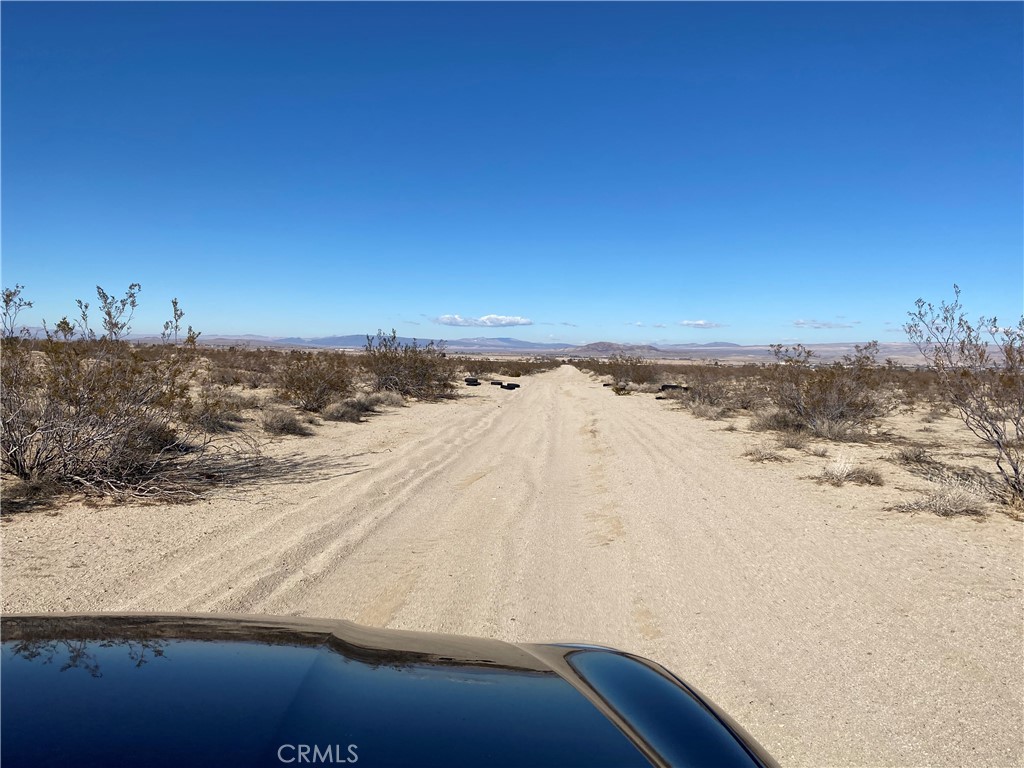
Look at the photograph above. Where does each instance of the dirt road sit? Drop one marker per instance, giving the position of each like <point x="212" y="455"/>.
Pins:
<point x="835" y="632"/>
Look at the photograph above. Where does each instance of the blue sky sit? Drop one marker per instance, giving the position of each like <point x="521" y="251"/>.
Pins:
<point x="664" y="172"/>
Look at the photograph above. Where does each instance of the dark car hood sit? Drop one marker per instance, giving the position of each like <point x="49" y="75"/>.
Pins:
<point x="243" y="690"/>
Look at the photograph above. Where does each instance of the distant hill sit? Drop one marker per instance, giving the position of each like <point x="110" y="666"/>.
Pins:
<point x="603" y="348"/>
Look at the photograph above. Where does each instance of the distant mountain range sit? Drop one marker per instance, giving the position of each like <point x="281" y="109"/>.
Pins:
<point x="725" y="350"/>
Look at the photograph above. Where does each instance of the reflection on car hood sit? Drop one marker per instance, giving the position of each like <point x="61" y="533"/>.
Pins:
<point x="243" y="690"/>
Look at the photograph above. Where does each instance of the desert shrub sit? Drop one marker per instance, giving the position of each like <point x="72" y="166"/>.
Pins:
<point x="706" y="385"/>
<point x="388" y="399"/>
<point x="311" y="380"/>
<point x="215" y="410"/>
<point x="794" y="440"/>
<point x="623" y="369"/>
<point x="985" y="385"/>
<point x="837" y="471"/>
<point x="841" y="471"/>
<point x="344" y="411"/>
<point x="830" y="400"/>
<point x="707" y="411"/>
<point x="912" y="454"/>
<point x="278" y="421"/>
<point x="409" y="369"/>
<point x="946" y="502"/>
<point x="763" y="453"/>
<point x="88" y="410"/>
<point x="818" y="450"/>
<point x="777" y="421"/>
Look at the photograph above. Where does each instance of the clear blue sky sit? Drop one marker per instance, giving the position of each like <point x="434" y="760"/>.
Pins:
<point x="629" y="172"/>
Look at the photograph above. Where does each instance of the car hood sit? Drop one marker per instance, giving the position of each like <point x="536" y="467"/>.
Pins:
<point x="243" y="690"/>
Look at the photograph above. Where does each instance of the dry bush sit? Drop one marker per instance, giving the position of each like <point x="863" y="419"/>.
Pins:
<point x="87" y="410"/>
<point x="344" y="411"/>
<point x="912" y="454"/>
<point x="794" y="440"/>
<point x="215" y="410"/>
<point x="985" y="387"/>
<point x="513" y="369"/>
<point x="763" y="453"/>
<point x="730" y="427"/>
<point x="818" y="450"/>
<point x="353" y="408"/>
<point x="830" y="400"/>
<point x="946" y="502"/>
<point x="841" y="470"/>
<point x="837" y="471"/>
<point x="706" y="411"/>
<point x="278" y="421"/>
<point x="311" y="380"/>
<point x="409" y="369"/>
<point x="778" y="421"/>
<point x="623" y="369"/>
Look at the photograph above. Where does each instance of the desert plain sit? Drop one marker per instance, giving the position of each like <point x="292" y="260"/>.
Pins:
<point x="835" y="628"/>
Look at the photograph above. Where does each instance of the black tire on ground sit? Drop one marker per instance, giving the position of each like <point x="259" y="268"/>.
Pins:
<point x="606" y="385"/>
<point x="666" y="387"/>
<point x="496" y="382"/>
<point x="509" y="386"/>
<point x="471" y="380"/>
<point x="472" y="383"/>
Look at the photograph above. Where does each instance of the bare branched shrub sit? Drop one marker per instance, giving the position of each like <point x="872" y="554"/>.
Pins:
<point x="409" y="369"/>
<point x="311" y="380"/>
<point x="830" y="400"/>
<point x="87" y="410"/>
<point x="980" y="370"/>
<point x="818" y="450"/>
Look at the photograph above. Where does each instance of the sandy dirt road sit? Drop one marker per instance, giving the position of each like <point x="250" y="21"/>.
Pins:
<point x="835" y="632"/>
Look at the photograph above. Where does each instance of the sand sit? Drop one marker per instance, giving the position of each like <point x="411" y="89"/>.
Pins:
<point x="836" y="631"/>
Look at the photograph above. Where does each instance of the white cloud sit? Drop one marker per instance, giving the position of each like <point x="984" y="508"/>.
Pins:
<point x="487" y="321"/>
<point x="819" y="325"/>
<point x="705" y="324"/>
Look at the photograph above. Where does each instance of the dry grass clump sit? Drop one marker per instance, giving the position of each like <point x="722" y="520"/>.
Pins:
<point x="707" y="411"/>
<point x="278" y="421"/>
<point x="841" y="470"/>
<point x="946" y="502"/>
<point x="344" y="411"/>
<point x="763" y="453"/>
<point x="914" y="455"/>
<point x="353" y="409"/>
<point x="818" y="450"/>
<point x="795" y="440"/>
